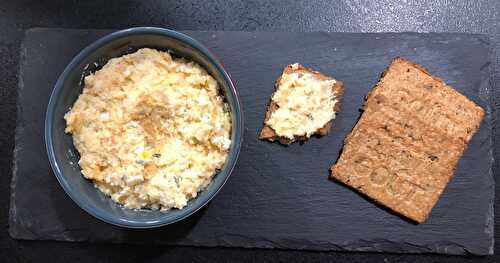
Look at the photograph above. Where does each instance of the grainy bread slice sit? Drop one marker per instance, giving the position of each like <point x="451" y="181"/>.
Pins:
<point x="267" y="133"/>
<point x="404" y="148"/>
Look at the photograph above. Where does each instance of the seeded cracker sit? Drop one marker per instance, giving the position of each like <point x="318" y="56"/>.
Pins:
<point x="404" y="149"/>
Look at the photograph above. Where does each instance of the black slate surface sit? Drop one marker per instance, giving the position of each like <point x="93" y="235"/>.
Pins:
<point x="278" y="197"/>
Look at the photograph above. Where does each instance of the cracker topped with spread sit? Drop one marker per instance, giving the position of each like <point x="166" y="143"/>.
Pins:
<point x="304" y="104"/>
<point x="404" y="149"/>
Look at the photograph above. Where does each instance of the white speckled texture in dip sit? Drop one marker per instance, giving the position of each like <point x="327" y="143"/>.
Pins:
<point x="151" y="130"/>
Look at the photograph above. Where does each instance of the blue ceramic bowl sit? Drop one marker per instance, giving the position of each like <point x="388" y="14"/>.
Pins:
<point x="64" y="157"/>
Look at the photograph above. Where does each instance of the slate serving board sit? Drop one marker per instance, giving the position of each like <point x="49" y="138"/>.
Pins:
<point x="277" y="197"/>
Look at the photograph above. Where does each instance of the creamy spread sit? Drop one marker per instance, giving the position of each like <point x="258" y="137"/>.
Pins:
<point x="152" y="130"/>
<point x="305" y="102"/>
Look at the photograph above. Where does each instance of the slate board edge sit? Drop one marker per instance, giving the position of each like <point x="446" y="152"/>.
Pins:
<point x="487" y="95"/>
<point x="13" y="231"/>
<point x="379" y="246"/>
<point x="481" y="36"/>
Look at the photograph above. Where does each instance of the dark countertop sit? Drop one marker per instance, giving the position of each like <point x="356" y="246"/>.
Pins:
<point x="353" y="16"/>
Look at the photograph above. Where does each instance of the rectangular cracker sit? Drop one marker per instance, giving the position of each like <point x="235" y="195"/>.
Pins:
<point x="404" y="148"/>
<point x="267" y="133"/>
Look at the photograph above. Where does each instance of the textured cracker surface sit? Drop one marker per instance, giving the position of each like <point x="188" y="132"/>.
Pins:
<point x="403" y="150"/>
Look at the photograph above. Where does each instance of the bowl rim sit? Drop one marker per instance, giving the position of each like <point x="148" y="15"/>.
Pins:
<point x="58" y="87"/>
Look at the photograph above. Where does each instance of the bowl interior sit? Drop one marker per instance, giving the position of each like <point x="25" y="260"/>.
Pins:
<point x="64" y="157"/>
